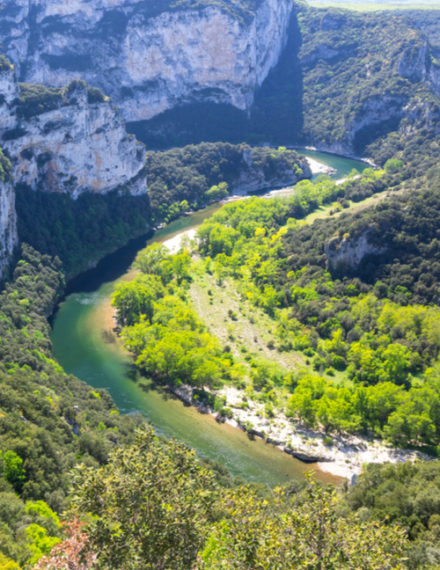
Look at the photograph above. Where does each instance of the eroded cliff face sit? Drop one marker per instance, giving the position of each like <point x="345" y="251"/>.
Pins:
<point x="348" y="252"/>
<point x="71" y="140"/>
<point x="147" y="56"/>
<point x="254" y="177"/>
<point x="434" y="75"/>
<point x="8" y="217"/>
<point x="8" y="95"/>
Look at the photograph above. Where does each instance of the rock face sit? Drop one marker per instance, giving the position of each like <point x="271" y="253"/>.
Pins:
<point x="70" y="140"/>
<point x="8" y="95"/>
<point x="349" y="252"/>
<point x="433" y="75"/>
<point x="8" y="217"/>
<point x="254" y="177"/>
<point x="413" y="61"/>
<point x="148" y="56"/>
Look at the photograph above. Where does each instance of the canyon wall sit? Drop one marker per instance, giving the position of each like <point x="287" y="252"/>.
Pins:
<point x="148" y="56"/>
<point x="68" y="140"/>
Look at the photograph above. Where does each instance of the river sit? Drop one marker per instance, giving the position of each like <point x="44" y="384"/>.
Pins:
<point x="83" y="346"/>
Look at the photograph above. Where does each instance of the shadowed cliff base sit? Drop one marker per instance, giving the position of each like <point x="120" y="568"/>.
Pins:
<point x="275" y="116"/>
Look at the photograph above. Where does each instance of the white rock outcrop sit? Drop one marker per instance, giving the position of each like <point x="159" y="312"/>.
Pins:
<point x="147" y="58"/>
<point x="78" y="144"/>
<point x="348" y="252"/>
<point x="8" y="220"/>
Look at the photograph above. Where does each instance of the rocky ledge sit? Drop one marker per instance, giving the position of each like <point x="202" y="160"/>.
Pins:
<point x="341" y="455"/>
<point x="68" y="140"/>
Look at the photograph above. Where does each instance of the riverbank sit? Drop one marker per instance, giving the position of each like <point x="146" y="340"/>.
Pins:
<point x="318" y="167"/>
<point x="83" y="346"/>
<point x="341" y="456"/>
<point x="340" y="153"/>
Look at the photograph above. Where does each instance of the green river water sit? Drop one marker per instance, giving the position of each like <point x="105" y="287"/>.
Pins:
<point x="83" y="346"/>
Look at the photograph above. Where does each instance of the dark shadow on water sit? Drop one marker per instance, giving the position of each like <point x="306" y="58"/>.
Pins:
<point x="132" y="373"/>
<point x="108" y="337"/>
<point x="108" y="269"/>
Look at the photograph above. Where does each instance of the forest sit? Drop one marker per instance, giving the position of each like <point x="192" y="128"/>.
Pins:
<point x="344" y="275"/>
<point x="366" y="332"/>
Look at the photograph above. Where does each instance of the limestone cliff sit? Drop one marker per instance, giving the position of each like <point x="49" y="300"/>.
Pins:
<point x="148" y="56"/>
<point x="255" y="176"/>
<point x="8" y="95"/>
<point x="8" y="217"/>
<point x="68" y="140"/>
<point x="347" y="252"/>
<point x="433" y="71"/>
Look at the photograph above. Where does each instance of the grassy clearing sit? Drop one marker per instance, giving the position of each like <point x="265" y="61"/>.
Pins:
<point x="246" y="329"/>
<point x="328" y="211"/>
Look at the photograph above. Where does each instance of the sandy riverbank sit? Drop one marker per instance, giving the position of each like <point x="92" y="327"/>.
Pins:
<point x="316" y="168"/>
<point x="319" y="167"/>
<point x="176" y="242"/>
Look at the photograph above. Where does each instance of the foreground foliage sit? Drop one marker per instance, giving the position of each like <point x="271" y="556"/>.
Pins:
<point x="48" y="419"/>
<point x="409" y="495"/>
<point x="154" y="506"/>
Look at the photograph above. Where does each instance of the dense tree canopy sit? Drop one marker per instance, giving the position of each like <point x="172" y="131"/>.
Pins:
<point x="154" y="506"/>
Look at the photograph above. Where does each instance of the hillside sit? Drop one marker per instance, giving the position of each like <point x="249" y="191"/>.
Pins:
<point x="311" y="320"/>
<point x="343" y="80"/>
<point x="267" y="328"/>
